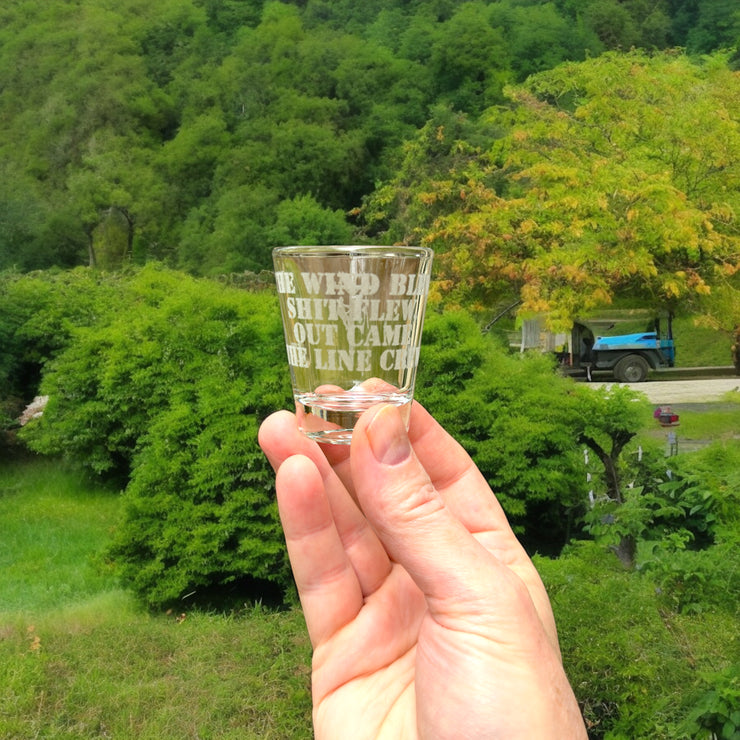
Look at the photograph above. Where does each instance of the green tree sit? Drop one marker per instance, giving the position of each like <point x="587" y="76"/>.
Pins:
<point x="470" y="60"/>
<point x="22" y="212"/>
<point x="613" y="24"/>
<point x="81" y="114"/>
<point x="303" y="220"/>
<point x="539" y="37"/>
<point x="704" y="26"/>
<point x="432" y="173"/>
<point x="609" y="420"/>
<point x="229" y="234"/>
<point x="599" y="189"/>
<point x="40" y="312"/>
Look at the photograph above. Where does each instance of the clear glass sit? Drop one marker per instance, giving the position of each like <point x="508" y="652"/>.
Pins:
<point x="353" y="317"/>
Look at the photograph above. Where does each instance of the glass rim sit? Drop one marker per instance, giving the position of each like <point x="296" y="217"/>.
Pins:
<point x="363" y="250"/>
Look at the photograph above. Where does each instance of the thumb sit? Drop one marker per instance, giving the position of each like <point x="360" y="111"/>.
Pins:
<point x="410" y="517"/>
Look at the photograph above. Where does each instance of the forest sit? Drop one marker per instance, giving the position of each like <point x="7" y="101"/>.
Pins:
<point x="560" y="157"/>
<point x="201" y="133"/>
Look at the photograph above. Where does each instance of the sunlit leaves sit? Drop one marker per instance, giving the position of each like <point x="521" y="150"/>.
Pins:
<point x="611" y="186"/>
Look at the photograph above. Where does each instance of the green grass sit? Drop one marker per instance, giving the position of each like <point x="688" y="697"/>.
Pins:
<point x="721" y="424"/>
<point x="79" y="658"/>
<point x="51" y="525"/>
<point x="698" y="346"/>
<point x="107" y="670"/>
<point x="703" y="423"/>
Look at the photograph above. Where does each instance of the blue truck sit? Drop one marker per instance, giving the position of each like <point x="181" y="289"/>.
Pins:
<point x="629" y="357"/>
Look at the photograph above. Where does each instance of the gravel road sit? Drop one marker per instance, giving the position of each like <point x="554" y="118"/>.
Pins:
<point x="684" y="391"/>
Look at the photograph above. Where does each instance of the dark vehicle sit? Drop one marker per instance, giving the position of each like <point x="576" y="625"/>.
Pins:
<point x="629" y="357"/>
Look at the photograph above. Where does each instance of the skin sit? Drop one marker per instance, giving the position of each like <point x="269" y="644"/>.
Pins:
<point x="426" y="617"/>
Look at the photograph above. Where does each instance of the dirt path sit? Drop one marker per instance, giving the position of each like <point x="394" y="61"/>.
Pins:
<point x="684" y="391"/>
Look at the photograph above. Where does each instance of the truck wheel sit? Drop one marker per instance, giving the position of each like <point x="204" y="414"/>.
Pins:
<point x="631" y="369"/>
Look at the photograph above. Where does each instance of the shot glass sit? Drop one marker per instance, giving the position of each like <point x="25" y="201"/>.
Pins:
<point x="353" y="317"/>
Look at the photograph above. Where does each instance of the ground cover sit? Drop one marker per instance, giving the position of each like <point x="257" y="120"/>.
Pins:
<point x="80" y="659"/>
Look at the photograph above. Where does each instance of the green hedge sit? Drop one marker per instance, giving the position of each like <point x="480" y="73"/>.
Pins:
<point x="159" y="381"/>
<point x="164" y="392"/>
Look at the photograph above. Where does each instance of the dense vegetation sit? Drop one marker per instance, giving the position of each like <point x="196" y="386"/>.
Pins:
<point x="652" y="652"/>
<point x="151" y="154"/>
<point x="157" y="383"/>
<point x="203" y="132"/>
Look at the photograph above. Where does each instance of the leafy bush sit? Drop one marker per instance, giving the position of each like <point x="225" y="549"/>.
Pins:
<point x="164" y="390"/>
<point x="716" y="714"/>
<point x="694" y="581"/>
<point x="638" y="669"/>
<point x="718" y="467"/>
<point x="651" y="651"/>
<point x="677" y="511"/>
<point x="167" y="393"/>
<point x="691" y="548"/>
<point x="39" y="312"/>
<point x="625" y="668"/>
<point x="673" y="514"/>
<point x="515" y="417"/>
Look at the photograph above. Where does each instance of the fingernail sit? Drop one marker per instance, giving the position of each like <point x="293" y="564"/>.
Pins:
<point x="387" y="435"/>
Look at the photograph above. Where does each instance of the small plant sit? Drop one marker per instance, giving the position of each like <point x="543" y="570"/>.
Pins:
<point x="693" y="581"/>
<point x="716" y="713"/>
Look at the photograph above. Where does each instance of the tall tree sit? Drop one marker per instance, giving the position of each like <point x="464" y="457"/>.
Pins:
<point x="470" y="59"/>
<point x="622" y="174"/>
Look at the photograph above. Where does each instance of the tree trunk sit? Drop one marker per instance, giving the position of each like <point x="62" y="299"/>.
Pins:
<point x="626" y="551"/>
<point x="91" y="248"/>
<point x="609" y="461"/>
<point x="627" y="547"/>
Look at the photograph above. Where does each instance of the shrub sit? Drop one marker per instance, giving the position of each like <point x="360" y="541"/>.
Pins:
<point x="693" y="581"/>
<point x="674" y="514"/>
<point x="521" y="422"/>
<point x="167" y="393"/>
<point x="716" y="712"/>
<point x="638" y="669"/>
<point x="39" y="312"/>
<point x="625" y="668"/>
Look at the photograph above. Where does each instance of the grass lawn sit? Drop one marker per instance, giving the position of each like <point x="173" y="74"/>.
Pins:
<point x="79" y="659"/>
<point x="699" y="346"/>
<point x="702" y="423"/>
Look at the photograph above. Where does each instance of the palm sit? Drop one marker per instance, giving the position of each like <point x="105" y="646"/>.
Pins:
<point x="366" y="670"/>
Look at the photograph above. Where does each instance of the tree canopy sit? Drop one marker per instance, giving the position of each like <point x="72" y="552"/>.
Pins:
<point x="204" y="132"/>
<point x="617" y="175"/>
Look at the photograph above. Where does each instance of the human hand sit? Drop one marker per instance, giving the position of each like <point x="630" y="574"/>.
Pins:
<point x="426" y="617"/>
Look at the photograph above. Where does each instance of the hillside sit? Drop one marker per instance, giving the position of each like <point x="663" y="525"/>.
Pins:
<point x="204" y="132"/>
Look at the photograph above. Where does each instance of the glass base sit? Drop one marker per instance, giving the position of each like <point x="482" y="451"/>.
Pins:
<point x="331" y="417"/>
